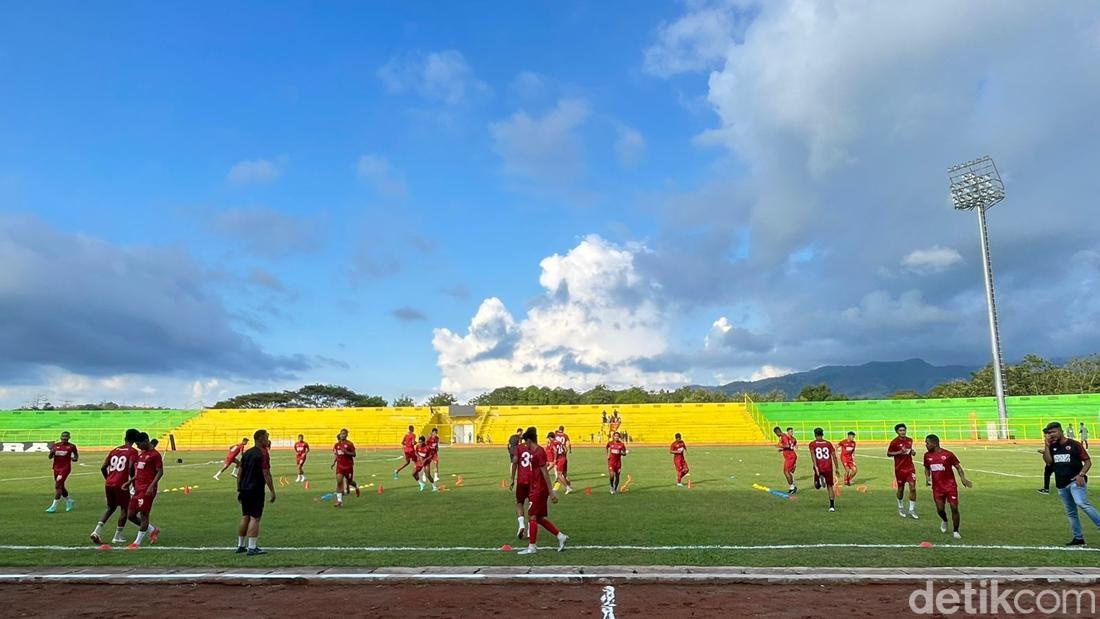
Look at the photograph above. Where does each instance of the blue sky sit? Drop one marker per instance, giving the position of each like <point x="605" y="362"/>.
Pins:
<point x="402" y="198"/>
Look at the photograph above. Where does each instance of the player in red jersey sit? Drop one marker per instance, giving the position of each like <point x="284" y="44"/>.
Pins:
<point x="824" y="459"/>
<point x="520" y="477"/>
<point x="148" y="470"/>
<point x="233" y="458"/>
<point x="343" y="460"/>
<point x="408" y="446"/>
<point x="679" y="459"/>
<point x="301" y="453"/>
<point x="118" y="474"/>
<point x="786" y="446"/>
<point x="938" y="463"/>
<point x="422" y="472"/>
<point x="539" y="493"/>
<point x="559" y="442"/>
<point x="615" y="449"/>
<point x="848" y="457"/>
<point x="562" y="448"/>
<point x="63" y="454"/>
<point x="433" y="446"/>
<point x="901" y="450"/>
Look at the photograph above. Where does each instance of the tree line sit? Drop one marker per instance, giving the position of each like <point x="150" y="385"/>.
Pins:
<point x="1031" y="376"/>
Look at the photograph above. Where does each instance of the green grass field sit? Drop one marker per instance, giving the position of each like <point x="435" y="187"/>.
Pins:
<point x="1002" y="509"/>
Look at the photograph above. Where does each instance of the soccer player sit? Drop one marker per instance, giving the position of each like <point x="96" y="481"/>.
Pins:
<point x="679" y="459"/>
<point x="232" y="458"/>
<point x="343" y="460"/>
<point x="824" y="460"/>
<point x="938" y="463"/>
<point x="521" y="480"/>
<point x="118" y="474"/>
<point x="148" y="470"/>
<point x="408" y="446"/>
<point x="787" y="443"/>
<point x="433" y="447"/>
<point x="255" y="474"/>
<point x="615" y="449"/>
<point x="848" y="457"/>
<point x="424" y="465"/>
<point x="539" y="493"/>
<point x="301" y="453"/>
<point x="563" y="448"/>
<point x="63" y="453"/>
<point x="901" y="450"/>
<point x="514" y="441"/>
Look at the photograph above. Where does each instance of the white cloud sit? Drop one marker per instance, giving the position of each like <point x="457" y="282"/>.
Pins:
<point x="545" y="148"/>
<point x="629" y="147"/>
<point x="382" y="176"/>
<point x="256" y="171"/>
<point x="769" y="371"/>
<point x="437" y="76"/>
<point x="933" y="259"/>
<point x="596" y="319"/>
<point x="694" y="42"/>
<point x="908" y="310"/>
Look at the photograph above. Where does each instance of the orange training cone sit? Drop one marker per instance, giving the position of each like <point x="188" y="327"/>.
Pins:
<point x="588" y="491"/>
<point x="504" y="484"/>
<point x="187" y="490"/>
<point x="690" y="484"/>
<point x="379" y="488"/>
<point x="894" y="484"/>
<point x="307" y="484"/>
<point x="458" y="482"/>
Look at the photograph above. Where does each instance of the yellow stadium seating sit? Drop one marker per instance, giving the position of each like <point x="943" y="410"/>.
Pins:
<point x="644" y="423"/>
<point x="220" y="428"/>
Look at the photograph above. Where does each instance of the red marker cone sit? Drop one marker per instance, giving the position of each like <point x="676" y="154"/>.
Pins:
<point x="307" y="484"/>
<point x="690" y="484"/>
<point x="506" y="548"/>
<point x="379" y="488"/>
<point x="187" y="490"/>
<point x="926" y="544"/>
<point x="588" y="491"/>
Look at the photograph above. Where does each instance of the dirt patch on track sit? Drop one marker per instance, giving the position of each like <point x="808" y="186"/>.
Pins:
<point x="455" y="600"/>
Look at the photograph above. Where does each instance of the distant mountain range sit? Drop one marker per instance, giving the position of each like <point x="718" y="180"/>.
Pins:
<point x="876" y="379"/>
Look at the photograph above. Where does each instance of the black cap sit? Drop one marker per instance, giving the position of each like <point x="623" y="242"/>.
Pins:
<point x="1052" y="425"/>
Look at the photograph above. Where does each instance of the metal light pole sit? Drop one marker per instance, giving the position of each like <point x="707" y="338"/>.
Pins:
<point x="976" y="185"/>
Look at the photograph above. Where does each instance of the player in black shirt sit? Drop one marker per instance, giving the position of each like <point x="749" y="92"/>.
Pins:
<point x="1071" y="464"/>
<point x="254" y="475"/>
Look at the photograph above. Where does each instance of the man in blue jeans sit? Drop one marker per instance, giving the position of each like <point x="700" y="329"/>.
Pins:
<point x="1071" y="464"/>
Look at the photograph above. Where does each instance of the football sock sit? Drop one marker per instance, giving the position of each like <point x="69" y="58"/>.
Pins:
<point x="252" y="543"/>
<point x="339" y="497"/>
<point x="522" y="524"/>
<point x="549" y="526"/>
<point x="533" y="533"/>
<point x="901" y="504"/>
<point x="240" y="541"/>
<point x="831" y="504"/>
<point x="912" y="506"/>
<point x="140" y="537"/>
<point x="54" y="504"/>
<point x="98" y="529"/>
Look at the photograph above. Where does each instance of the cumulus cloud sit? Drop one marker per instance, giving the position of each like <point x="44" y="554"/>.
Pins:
<point x="442" y="76"/>
<point x="696" y="41"/>
<point x="841" y="119"/>
<point x="256" y="171"/>
<point x="543" y="148"/>
<point x="596" y="321"/>
<point x="724" y="335"/>
<point x="933" y="259"/>
<point x="769" y="371"/>
<point x="92" y="309"/>
<point x="629" y="147"/>
<point x="266" y="232"/>
<point x="383" y="178"/>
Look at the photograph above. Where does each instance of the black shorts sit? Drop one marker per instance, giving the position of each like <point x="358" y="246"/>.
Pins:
<point x="252" y="504"/>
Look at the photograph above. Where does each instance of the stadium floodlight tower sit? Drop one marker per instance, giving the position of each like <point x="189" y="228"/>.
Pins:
<point x="976" y="185"/>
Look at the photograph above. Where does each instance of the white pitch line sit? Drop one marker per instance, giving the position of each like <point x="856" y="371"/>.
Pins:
<point x="673" y="548"/>
<point x="702" y="575"/>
